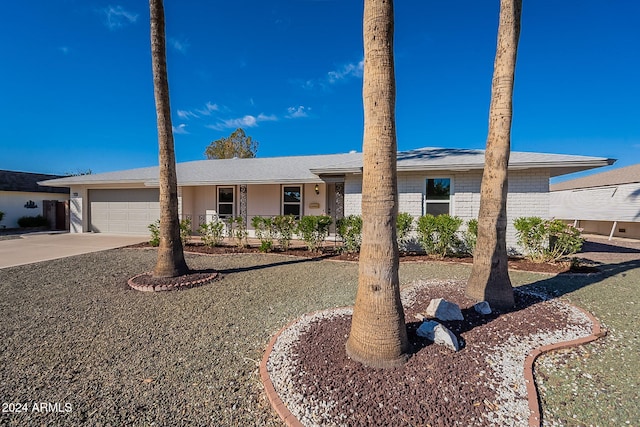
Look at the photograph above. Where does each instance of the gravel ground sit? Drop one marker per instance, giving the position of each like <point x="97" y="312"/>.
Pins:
<point x="75" y="338"/>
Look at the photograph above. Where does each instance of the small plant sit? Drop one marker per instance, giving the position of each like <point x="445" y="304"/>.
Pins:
<point x="238" y="230"/>
<point x="350" y="231"/>
<point x="284" y="226"/>
<point x="547" y="240"/>
<point x="470" y="236"/>
<point x="265" y="231"/>
<point x="314" y="229"/>
<point x="33" y="221"/>
<point x="185" y="232"/>
<point x="438" y="234"/>
<point x="404" y="225"/>
<point x="212" y="233"/>
<point x="1" y="215"/>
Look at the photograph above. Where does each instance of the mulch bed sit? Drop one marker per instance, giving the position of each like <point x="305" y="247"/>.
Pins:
<point x="333" y="253"/>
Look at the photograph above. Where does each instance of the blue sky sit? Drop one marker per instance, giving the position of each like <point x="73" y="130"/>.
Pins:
<point x="76" y="88"/>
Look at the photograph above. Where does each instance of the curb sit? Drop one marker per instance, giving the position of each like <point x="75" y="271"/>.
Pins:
<point x="529" y="377"/>
<point x="533" y="397"/>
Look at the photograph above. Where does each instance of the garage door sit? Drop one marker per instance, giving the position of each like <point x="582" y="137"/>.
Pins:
<point x="126" y="211"/>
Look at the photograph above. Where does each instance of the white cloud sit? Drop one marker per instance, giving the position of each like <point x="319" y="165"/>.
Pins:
<point x="347" y="71"/>
<point x="247" y="121"/>
<point x="181" y="129"/>
<point x="179" y="45"/>
<point x="117" y="17"/>
<point x="208" y="109"/>
<point x="186" y="115"/>
<point x="297" y="112"/>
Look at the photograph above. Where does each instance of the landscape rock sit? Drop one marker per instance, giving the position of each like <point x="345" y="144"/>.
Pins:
<point x="439" y="334"/>
<point x="442" y="309"/>
<point x="483" y="307"/>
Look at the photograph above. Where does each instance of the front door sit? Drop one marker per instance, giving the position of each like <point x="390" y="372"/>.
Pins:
<point x="335" y="203"/>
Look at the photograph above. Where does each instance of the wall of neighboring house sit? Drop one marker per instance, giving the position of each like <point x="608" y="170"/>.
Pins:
<point x="596" y="209"/>
<point x="12" y="203"/>
<point x="528" y="195"/>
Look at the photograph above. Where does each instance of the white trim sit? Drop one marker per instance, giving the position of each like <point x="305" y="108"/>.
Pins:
<point x="451" y="193"/>
<point x="301" y="203"/>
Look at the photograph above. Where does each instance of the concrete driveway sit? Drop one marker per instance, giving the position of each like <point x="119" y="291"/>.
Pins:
<point x="37" y="247"/>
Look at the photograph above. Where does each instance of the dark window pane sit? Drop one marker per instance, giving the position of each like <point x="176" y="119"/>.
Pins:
<point x="225" y="195"/>
<point x="292" y="195"/>
<point x="225" y="209"/>
<point x="292" y="210"/>
<point x="438" y="189"/>
<point x="437" y="208"/>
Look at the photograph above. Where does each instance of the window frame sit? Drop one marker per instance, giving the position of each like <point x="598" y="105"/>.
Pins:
<point x="232" y="203"/>
<point x="449" y="201"/>
<point x="283" y="203"/>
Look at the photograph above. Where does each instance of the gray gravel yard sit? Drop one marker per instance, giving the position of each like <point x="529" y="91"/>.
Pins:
<point x="74" y="333"/>
<point x="78" y="347"/>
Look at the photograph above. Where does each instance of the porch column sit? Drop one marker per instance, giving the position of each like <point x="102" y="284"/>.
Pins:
<point x="613" y="229"/>
<point x="243" y="202"/>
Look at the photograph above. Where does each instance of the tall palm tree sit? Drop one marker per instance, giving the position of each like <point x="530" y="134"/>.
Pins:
<point x="489" y="278"/>
<point x="378" y="334"/>
<point x="171" y="260"/>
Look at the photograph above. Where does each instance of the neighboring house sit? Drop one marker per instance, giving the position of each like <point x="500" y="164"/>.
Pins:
<point x="21" y="195"/>
<point x="430" y="180"/>
<point x="606" y="203"/>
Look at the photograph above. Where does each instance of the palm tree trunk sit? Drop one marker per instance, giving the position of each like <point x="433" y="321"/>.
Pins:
<point x="171" y="260"/>
<point x="378" y="335"/>
<point x="489" y="278"/>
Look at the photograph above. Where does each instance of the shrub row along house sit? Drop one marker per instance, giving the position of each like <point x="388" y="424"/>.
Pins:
<point x="430" y="180"/>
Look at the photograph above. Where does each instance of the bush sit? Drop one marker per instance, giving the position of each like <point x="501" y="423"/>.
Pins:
<point x="284" y="226"/>
<point x="314" y="229"/>
<point x="265" y="231"/>
<point x="1" y="215"/>
<point x="404" y="225"/>
<point x="350" y="231"/>
<point x="238" y="230"/>
<point x="33" y="221"/>
<point x="185" y="232"/>
<point x="547" y="240"/>
<point x="212" y="233"/>
<point x="470" y="236"/>
<point x="438" y="234"/>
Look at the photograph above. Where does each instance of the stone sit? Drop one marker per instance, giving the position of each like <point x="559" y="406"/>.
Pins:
<point x="445" y="310"/>
<point x="482" y="307"/>
<point x="439" y="334"/>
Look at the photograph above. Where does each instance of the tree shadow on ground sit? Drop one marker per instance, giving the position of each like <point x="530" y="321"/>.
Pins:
<point x="592" y="246"/>
<point x="271" y="265"/>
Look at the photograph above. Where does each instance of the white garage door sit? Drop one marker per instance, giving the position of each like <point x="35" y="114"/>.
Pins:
<point x="125" y="211"/>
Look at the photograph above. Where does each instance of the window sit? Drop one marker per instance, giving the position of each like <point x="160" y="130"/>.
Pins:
<point x="292" y="201"/>
<point x="438" y="196"/>
<point x="225" y="202"/>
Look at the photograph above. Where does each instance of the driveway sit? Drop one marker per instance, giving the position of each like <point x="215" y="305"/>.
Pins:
<point x="37" y="247"/>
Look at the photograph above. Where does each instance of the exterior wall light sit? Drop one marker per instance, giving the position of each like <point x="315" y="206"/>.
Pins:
<point x="317" y="188"/>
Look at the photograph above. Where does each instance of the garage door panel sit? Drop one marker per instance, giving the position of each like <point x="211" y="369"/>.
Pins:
<point x="126" y="211"/>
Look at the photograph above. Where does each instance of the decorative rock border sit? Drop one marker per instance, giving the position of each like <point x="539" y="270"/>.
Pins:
<point x="532" y="392"/>
<point x="169" y="286"/>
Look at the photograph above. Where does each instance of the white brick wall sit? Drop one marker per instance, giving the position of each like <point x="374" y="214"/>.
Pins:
<point x="528" y="195"/>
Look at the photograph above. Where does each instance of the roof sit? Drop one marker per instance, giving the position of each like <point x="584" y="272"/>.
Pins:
<point x="303" y="169"/>
<point x="27" y="182"/>
<point x="619" y="176"/>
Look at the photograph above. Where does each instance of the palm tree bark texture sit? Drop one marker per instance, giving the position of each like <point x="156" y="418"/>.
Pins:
<point x="489" y="278"/>
<point x="378" y="336"/>
<point x="170" y="262"/>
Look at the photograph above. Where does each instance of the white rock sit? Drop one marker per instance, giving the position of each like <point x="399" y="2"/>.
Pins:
<point x="483" y="307"/>
<point x="439" y="334"/>
<point x="444" y="310"/>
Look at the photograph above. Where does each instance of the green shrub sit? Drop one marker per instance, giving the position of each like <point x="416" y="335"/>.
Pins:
<point x="212" y="233"/>
<point x="470" y="236"/>
<point x="547" y="240"/>
<point x="185" y="232"/>
<point x="1" y="215"/>
<point x="314" y="229"/>
<point x="265" y="231"/>
<point x="438" y="234"/>
<point x="404" y="225"/>
<point x="350" y="231"/>
<point x="238" y="230"/>
<point x="33" y="221"/>
<point x="284" y="226"/>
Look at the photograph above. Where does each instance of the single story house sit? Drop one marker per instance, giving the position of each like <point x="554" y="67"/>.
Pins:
<point x="606" y="203"/>
<point x="430" y="180"/>
<point x="21" y="195"/>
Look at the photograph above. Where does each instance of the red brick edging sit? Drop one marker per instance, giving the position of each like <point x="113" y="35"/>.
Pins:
<point x="532" y="391"/>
